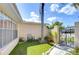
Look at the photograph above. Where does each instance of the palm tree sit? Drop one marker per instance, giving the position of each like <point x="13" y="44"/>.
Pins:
<point x="76" y="5"/>
<point x="59" y="24"/>
<point x="42" y="21"/>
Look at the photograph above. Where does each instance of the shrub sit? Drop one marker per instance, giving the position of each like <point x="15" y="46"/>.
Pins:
<point x="21" y="39"/>
<point x="70" y="39"/>
<point x="30" y="37"/>
<point x="49" y="39"/>
<point x="39" y="38"/>
<point x="46" y="38"/>
<point x="75" y="51"/>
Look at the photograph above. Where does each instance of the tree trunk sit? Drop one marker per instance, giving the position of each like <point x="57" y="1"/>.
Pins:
<point x="42" y="21"/>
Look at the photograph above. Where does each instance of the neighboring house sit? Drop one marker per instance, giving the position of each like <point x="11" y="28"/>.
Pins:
<point x="12" y="28"/>
<point x="32" y="29"/>
<point x="9" y="20"/>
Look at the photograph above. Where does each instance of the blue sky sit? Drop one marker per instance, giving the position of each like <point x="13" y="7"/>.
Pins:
<point x="65" y="13"/>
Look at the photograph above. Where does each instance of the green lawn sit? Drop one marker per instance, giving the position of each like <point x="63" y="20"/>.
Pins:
<point x="30" y="48"/>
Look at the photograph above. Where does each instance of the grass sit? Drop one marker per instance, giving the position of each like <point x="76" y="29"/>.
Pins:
<point x="30" y="48"/>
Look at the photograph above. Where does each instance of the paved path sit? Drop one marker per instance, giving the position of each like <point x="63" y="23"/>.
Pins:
<point x="60" y="50"/>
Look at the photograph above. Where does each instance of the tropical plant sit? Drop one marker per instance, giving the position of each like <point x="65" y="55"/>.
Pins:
<point x="57" y="23"/>
<point x="54" y="33"/>
<point x="21" y="39"/>
<point x="48" y="26"/>
<point x="76" y="5"/>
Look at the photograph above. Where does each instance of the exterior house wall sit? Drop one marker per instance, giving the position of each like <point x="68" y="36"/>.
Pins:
<point x="9" y="26"/>
<point x="8" y="35"/>
<point x="76" y="34"/>
<point x="23" y="29"/>
<point x="8" y="48"/>
<point x="31" y="28"/>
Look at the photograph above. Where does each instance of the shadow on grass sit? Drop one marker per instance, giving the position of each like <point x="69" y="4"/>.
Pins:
<point x="21" y="48"/>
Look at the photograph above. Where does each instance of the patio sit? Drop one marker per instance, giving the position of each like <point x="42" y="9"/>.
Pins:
<point x="61" y="50"/>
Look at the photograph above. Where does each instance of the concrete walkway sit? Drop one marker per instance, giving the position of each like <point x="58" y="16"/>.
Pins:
<point x="60" y="50"/>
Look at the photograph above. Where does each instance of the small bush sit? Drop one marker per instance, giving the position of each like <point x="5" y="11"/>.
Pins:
<point x="70" y="39"/>
<point x="46" y="38"/>
<point x="49" y="38"/>
<point x="21" y="39"/>
<point x="39" y="39"/>
<point x="75" y="51"/>
<point x="30" y="38"/>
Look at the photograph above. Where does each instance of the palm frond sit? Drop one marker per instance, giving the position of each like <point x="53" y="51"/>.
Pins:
<point x="76" y="5"/>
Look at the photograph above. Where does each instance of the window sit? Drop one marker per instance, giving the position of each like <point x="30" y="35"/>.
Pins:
<point x="8" y="31"/>
<point x="1" y="25"/>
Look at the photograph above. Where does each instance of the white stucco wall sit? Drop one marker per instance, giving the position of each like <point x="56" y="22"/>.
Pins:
<point x="11" y="11"/>
<point x="31" y="28"/>
<point x="8" y="48"/>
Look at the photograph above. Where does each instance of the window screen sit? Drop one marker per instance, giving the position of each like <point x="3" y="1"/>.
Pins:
<point x="8" y="31"/>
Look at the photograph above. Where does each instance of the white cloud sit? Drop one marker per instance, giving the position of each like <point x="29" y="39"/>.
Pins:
<point x="54" y="7"/>
<point x="54" y="19"/>
<point x="34" y="18"/>
<point x="51" y="19"/>
<point x="68" y="9"/>
<point x="33" y="14"/>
